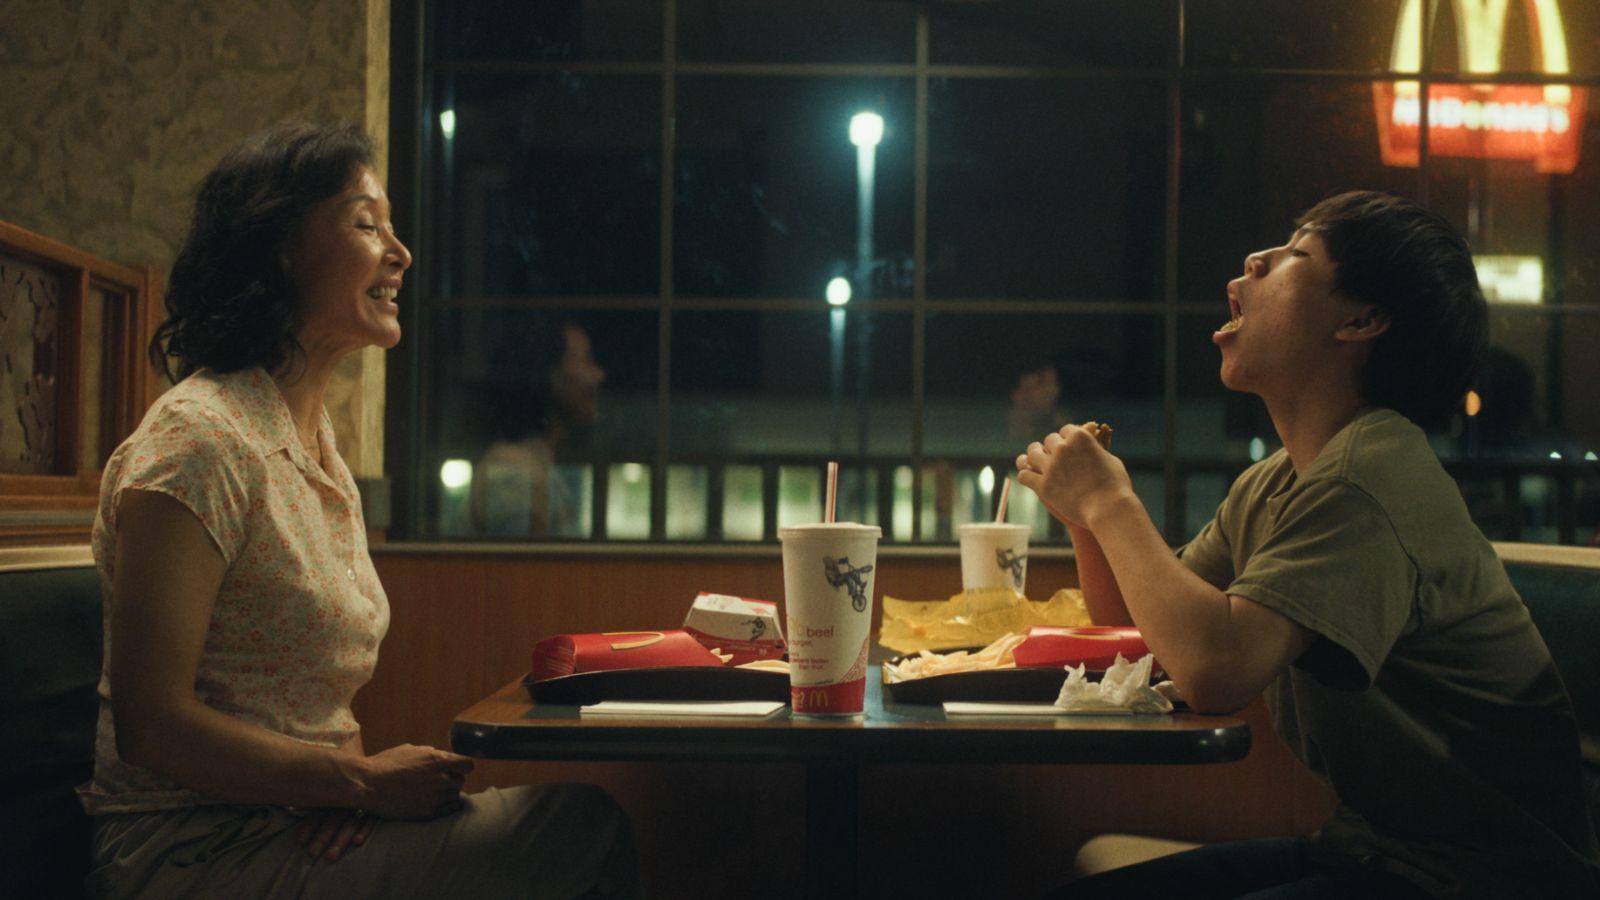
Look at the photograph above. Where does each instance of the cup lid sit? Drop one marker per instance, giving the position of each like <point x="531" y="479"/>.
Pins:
<point x="981" y="526"/>
<point x="830" y="529"/>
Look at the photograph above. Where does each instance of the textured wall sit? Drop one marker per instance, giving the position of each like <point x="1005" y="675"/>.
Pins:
<point x="112" y="110"/>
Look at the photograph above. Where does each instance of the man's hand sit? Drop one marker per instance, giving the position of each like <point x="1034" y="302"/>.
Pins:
<point x="1073" y="475"/>
<point x="328" y="833"/>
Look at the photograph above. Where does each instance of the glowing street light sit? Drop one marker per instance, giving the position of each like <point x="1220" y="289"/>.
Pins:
<point x="838" y="291"/>
<point x="866" y="129"/>
<point x="455" y="474"/>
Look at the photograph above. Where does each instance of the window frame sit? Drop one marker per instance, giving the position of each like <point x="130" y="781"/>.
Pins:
<point x="413" y="135"/>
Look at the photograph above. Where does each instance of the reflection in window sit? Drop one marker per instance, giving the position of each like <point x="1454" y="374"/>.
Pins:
<point x="574" y="158"/>
<point x="687" y="488"/>
<point x="766" y="180"/>
<point x="742" y="504"/>
<point x="549" y="184"/>
<point x="996" y="228"/>
<point x="1076" y="33"/>
<point x="628" y="501"/>
<point x="800" y="495"/>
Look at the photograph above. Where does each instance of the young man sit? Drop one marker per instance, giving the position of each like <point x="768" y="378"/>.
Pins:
<point x="1344" y="577"/>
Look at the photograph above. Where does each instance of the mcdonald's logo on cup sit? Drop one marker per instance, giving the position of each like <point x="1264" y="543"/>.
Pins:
<point x="1541" y="124"/>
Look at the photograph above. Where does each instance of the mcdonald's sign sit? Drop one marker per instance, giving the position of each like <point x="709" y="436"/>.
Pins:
<point x="1542" y="124"/>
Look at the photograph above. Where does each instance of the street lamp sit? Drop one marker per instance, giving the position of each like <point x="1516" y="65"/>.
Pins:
<point x="866" y="131"/>
<point x="838" y="294"/>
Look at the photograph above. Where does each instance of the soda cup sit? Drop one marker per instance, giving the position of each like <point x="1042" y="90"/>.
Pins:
<point x="993" y="555"/>
<point x="827" y="586"/>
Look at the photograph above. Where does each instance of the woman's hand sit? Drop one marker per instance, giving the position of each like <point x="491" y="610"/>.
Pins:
<point x="410" y="782"/>
<point x="328" y="833"/>
<point x="1073" y="475"/>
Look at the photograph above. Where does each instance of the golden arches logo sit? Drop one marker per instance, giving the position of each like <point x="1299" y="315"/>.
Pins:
<point x="1536" y="123"/>
<point x="650" y="637"/>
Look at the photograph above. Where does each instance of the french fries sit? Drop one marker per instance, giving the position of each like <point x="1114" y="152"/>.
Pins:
<point x="997" y="655"/>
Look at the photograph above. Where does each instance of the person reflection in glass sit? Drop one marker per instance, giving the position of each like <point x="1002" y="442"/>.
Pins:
<point x="549" y="391"/>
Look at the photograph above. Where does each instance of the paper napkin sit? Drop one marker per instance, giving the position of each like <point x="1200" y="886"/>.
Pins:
<point x="954" y="708"/>
<point x="644" y="709"/>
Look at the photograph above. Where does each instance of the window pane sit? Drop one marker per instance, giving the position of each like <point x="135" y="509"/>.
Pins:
<point x="1045" y="188"/>
<point x="587" y="30"/>
<point x="1284" y="34"/>
<point x="996" y="382"/>
<point x="750" y="386"/>
<point x="1465" y="43"/>
<point x="687" y="488"/>
<point x="766" y="187"/>
<point x="549" y="185"/>
<point x="1258" y="154"/>
<point x="884" y="31"/>
<point x="1538" y="226"/>
<point x="742" y="505"/>
<point x="534" y="404"/>
<point x="1054" y="33"/>
<point x="800" y="495"/>
<point x="628" y="501"/>
<point x="1219" y="431"/>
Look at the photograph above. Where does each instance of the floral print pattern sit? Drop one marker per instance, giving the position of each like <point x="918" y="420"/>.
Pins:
<point x="295" y="628"/>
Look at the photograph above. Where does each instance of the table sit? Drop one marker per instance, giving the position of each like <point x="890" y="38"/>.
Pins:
<point x="508" y="725"/>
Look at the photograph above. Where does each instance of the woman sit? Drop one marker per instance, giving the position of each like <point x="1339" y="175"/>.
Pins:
<point x="242" y="609"/>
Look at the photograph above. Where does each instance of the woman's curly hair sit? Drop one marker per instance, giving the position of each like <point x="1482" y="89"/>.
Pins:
<point x="230" y="305"/>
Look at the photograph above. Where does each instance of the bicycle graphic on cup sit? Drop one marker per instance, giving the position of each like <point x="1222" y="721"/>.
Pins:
<point x="841" y="574"/>
<point x="1007" y="559"/>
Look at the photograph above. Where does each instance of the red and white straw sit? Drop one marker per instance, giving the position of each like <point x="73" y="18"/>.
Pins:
<point x="1005" y="494"/>
<point x="833" y="491"/>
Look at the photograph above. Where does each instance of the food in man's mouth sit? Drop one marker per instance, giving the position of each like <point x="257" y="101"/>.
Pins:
<point x="1232" y="324"/>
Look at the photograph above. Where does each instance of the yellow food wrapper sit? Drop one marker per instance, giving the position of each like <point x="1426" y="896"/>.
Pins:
<point x="973" y="618"/>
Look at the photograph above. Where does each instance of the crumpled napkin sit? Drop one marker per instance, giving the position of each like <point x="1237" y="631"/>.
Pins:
<point x="1125" y="687"/>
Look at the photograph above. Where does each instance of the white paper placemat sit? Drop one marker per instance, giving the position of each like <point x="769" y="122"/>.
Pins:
<point x="640" y="708"/>
<point x="955" y="708"/>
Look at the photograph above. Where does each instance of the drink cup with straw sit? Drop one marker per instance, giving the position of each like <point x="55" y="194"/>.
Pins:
<point x="828" y="573"/>
<point x="994" y="554"/>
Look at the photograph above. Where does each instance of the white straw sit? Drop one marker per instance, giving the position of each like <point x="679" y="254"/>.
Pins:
<point x="833" y="490"/>
<point x="1005" y="494"/>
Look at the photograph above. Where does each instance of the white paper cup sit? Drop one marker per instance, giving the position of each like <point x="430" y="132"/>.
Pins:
<point x="993" y="555"/>
<point x="827" y="586"/>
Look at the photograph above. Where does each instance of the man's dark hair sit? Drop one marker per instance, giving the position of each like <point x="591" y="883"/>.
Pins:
<point x="1397" y="255"/>
<point x="230" y="305"/>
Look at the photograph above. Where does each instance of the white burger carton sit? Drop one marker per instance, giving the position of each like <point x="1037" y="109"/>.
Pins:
<point x="746" y="628"/>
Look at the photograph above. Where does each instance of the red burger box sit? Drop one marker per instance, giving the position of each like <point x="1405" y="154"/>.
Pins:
<point x="746" y="628"/>
<point x="571" y="654"/>
<point x="1093" y="647"/>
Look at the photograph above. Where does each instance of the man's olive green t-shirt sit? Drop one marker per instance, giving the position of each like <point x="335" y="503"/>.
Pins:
<point x="1427" y="701"/>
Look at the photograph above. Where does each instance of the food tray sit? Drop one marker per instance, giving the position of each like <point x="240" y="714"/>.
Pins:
<point x="983" y="685"/>
<point x="660" y="683"/>
<point x="1040" y="684"/>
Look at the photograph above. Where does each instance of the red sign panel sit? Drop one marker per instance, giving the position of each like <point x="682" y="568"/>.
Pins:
<point x="1536" y="123"/>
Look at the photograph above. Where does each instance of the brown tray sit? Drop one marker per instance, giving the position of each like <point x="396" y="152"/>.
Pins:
<point x="662" y="683"/>
<point x="988" y="685"/>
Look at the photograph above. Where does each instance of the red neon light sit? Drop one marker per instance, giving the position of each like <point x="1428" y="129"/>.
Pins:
<point x="1516" y="122"/>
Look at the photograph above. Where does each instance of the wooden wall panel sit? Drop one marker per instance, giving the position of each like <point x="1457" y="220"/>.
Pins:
<point x="463" y="625"/>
